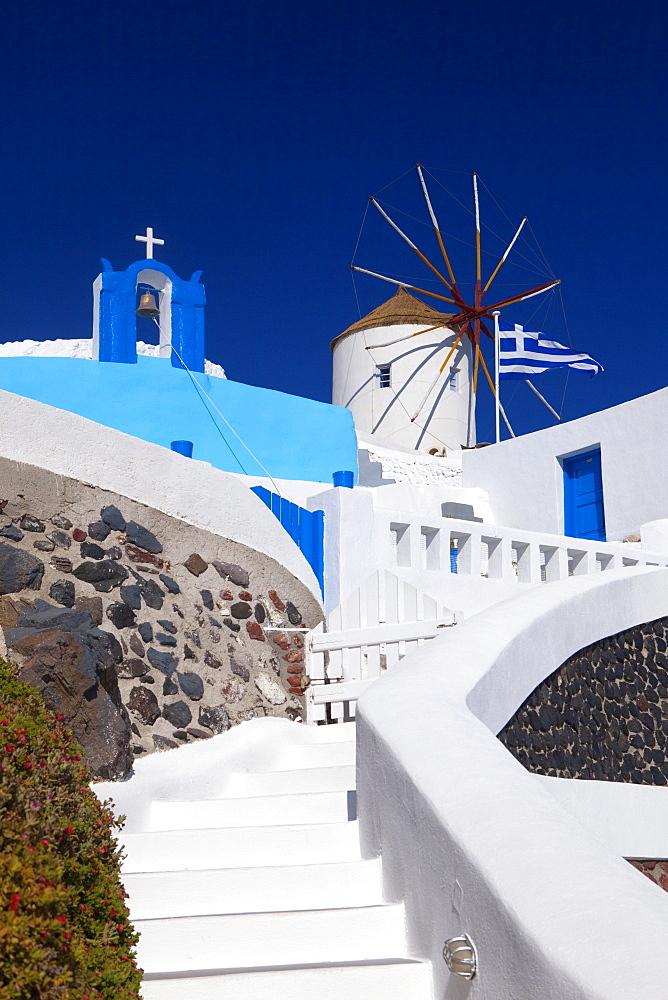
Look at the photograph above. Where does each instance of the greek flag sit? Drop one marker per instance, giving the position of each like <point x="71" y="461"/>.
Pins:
<point x="522" y="354"/>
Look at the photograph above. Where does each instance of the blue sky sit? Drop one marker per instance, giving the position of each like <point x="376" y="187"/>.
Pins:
<point x="250" y="135"/>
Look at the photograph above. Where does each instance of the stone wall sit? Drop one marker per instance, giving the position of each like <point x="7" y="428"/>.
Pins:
<point x="603" y="714"/>
<point x="145" y="632"/>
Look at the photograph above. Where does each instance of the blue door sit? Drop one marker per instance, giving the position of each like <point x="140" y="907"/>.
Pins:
<point x="583" y="496"/>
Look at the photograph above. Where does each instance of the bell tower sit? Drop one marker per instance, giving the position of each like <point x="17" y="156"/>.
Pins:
<point x="179" y="306"/>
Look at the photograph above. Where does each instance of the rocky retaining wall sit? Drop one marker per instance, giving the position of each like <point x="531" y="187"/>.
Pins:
<point x="603" y="714"/>
<point x="143" y="631"/>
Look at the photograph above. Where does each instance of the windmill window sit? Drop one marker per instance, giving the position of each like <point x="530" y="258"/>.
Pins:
<point x="454" y="380"/>
<point x="384" y="376"/>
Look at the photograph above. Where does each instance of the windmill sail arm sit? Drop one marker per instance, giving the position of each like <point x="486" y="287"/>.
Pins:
<point x="410" y="243"/>
<point x="402" y="284"/>
<point x="525" y="295"/>
<point x="505" y="255"/>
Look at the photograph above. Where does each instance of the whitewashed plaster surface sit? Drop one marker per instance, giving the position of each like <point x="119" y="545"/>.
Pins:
<point x="81" y="349"/>
<point x="524" y="478"/>
<point x="34" y="433"/>
<point x="473" y="842"/>
<point x="200" y="770"/>
<point x="387" y="412"/>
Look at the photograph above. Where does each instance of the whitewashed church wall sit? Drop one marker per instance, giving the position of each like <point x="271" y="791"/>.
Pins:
<point x="524" y="478"/>
<point x="472" y="841"/>
<point x="387" y="412"/>
<point x="37" y="434"/>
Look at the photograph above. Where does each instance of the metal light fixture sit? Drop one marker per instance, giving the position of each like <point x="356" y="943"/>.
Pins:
<point x="147" y="306"/>
<point x="460" y="956"/>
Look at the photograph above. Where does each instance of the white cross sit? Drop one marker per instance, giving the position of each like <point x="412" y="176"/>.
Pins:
<point x="149" y="240"/>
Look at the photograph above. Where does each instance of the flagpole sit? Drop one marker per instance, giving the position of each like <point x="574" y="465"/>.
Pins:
<point x="497" y="351"/>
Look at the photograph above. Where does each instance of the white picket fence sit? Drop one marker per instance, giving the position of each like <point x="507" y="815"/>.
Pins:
<point x="377" y="625"/>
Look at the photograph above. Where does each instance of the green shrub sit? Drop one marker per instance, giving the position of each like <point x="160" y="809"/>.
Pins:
<point x="64" y="926"/>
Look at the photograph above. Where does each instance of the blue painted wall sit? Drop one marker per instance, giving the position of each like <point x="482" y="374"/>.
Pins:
<point x="293" y="437"/>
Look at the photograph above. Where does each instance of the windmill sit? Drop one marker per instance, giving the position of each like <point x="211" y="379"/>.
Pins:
<point x="469" y="319"/>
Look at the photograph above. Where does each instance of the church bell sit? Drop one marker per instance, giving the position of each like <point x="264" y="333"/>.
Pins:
<point x="148" y="306"/>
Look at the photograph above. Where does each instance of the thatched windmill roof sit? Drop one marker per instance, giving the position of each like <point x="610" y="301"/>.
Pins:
<point x="402" y="308"/>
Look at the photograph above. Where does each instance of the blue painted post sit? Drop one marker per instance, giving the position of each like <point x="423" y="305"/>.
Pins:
<point x="183" y="448"/>
<point x="345" y="478"/>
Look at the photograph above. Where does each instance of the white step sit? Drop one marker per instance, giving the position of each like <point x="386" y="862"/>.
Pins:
<point x="342" y="732"/>
<point x="244" y="847"/>
<point x="391" y="980"/>
<point x="315" y="755"/>
<point x="307" y="779"/>
<point x="266" y="810"/>
<point x="255" y="940"/>
<point x="253" y="890"/>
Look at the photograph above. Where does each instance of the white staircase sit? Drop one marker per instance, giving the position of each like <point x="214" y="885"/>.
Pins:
<point x="262" y="892"/>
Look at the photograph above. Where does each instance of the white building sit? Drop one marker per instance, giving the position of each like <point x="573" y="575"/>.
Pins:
<point x="386" y="371"/>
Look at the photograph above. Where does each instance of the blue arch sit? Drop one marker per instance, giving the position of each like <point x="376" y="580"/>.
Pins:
<point x="117" y="322"/>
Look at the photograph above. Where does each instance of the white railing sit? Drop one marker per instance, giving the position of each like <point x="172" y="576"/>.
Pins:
<point x="379" y="623"/>
<point x="475" y="550"/>
<point x="469" y="564"/>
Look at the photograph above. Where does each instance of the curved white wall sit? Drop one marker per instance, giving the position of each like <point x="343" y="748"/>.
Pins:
<point x="34" y="433"/>
<point x="475" y="843"/>
<point x="387" y="413"/>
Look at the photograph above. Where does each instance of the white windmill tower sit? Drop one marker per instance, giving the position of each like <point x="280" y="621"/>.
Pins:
<point x="385" y="367"/>
<point x="409" y="373"/>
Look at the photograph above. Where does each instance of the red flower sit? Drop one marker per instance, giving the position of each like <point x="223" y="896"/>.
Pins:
<point x="69" y="829"/>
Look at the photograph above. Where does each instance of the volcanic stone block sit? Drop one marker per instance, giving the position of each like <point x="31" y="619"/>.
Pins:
<point x="146" y="631"/>
<point x="131" y="595"/>
<point x="19" y="570"/>
<point x="191" y="685"/>
<point x="195" y="564"/>
<point x="165" y="662"/>
<point x="167" y="625"/>
<point x="163" y="743"/>
<point x="112" y="516"/>
<point x="12" y="532"/>
<point x="232" y="572"/>
<point x="98" y="530"/>
<point x="136" y="645"/>
<point x="169" y="687"/>
<point x="132" y="668"/>
<point x="29" y="523"/>
<point x="89" y="550"/>
<point x="214" y="717"/>
<point x="144" y="705"/>
<point x="171" y="585"/>
<point x="75" y="672"/>
<point x="44" y="545"/>
<point x="177" y="714"/>
<point x="142" y="538"/>
<point x="153" y="595"/>
<point x="62" y="592"/>
<point x="104" y="576"/>
<point x="60" y="538"/>
<point x="164" y="639"/>
<point x="294" y="616"/>
<point x="207" y="599"/>
<point x="121" y="615"/>
<point x="92" y="605"/>
<point x="241" y="610"/>
<point x="60" y="521"/>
